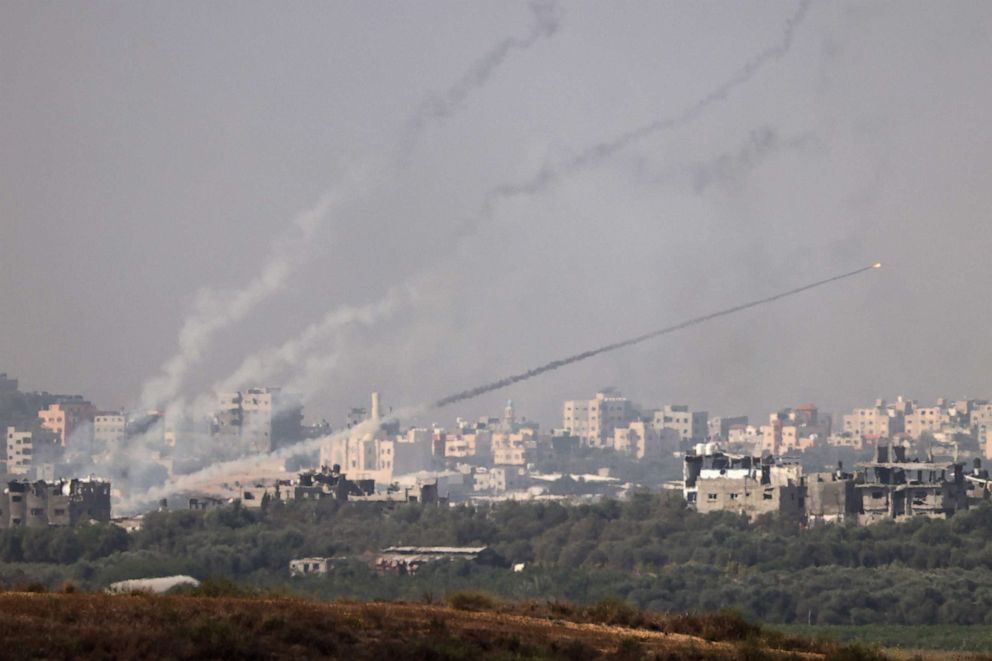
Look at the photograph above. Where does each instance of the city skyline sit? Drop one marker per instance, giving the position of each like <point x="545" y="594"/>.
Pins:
<point x="130" y="211"/>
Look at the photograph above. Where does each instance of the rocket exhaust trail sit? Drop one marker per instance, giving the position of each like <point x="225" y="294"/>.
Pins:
<point x="215" y="471"/>
<point x="562" y="362"/>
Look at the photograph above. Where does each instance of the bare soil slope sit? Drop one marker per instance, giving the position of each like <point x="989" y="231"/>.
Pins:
<point x="139" y="626"/>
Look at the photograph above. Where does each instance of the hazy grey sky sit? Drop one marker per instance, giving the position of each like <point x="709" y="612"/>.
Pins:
<point x="151" y="150"/>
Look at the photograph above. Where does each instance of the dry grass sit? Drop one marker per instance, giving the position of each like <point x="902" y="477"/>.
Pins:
<point x="139" y="626"/>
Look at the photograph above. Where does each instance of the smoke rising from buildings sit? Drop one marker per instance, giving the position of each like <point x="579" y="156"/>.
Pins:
<point x="154" y="148"/>
<point x="221" y="470"/>
<point x="250" y="464"/>
<point x="297" y="353"/>
<point x="215" y="310"/>
<point x="290" y="354"/>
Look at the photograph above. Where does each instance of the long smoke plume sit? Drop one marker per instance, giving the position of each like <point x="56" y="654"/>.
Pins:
<point x="297" y="351"/>
<point x="599" y="152"/>
<point x="220" y="470"/>
<point x="546" y="24"/>
<point x="585" y="355"/>
<point x="547" y="18"/>
<point x="214" y="311"/>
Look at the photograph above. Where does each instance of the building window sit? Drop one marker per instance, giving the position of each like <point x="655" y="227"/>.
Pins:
<point x="711" y="496"/>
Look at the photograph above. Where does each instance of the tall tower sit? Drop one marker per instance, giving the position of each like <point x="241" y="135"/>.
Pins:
<point x="509" y="419"/>
<point x="375" y="407"/>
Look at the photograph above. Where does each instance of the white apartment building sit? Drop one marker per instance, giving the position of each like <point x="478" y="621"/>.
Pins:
<point x="260" y="417"/>
<point x="18" y="451"/>
<point x="109" y="428"/>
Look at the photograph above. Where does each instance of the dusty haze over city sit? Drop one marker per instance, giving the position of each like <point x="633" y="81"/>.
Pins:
<point x="244" y="170"/>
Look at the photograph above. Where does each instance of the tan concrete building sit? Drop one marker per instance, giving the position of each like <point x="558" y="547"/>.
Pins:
<point x="719" y="427"/>
<point x="477" y="443"/>
<point x="846" y="440"/>
<point x="593" y="420"/>
<point x="720" y="482"/>
<point x="640" y="440"/>
<point x="923" y="419"/>
<point x="514" y="449"/>
<point x="63" y="503"/>
<point x="67" y="416"/>
<point x="831" y="498"/>
<point x="981" y="417"/>
<point x="692" y="426"/>
<point x="879" y="421"/>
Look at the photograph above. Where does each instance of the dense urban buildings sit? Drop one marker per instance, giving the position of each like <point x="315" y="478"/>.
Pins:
<point x="903" y="458"/>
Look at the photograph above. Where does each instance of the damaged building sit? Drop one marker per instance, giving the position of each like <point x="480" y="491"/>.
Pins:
<point x="832" y="497"/>
<point x="409" y="559"/>
<point x="896" y="488"/>
<point x="59" y="503"/>
<point x="891" y="487"/>
<point x="326" y="483"/>
<point x="719" y="482"/>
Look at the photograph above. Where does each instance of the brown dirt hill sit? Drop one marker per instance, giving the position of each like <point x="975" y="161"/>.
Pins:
<point x="185" y="627"/>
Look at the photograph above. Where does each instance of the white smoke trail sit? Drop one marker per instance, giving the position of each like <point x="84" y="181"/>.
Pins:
<point x="547" y="18"/>
<point x="220" y="470"/>
<point x="296" y="352"/>
<point x="215" y="310"/>
<point x="548" y="175"/>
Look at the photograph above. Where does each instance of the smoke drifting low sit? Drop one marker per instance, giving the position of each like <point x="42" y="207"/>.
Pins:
<point x="220" y="470"/>
<point x="585" y="355"/>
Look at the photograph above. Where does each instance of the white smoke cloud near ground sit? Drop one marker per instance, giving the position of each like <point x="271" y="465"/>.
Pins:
<point x="216" y="310"/>
<point x="292" y="352"/>
<point x="221" y="470"/>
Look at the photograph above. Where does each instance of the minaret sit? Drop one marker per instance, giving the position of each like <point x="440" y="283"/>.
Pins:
<point x="375" y="407"/>
<point x="509" y="420"/>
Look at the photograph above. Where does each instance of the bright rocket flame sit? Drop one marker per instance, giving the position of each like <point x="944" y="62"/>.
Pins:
<point x="877" y="265"/>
